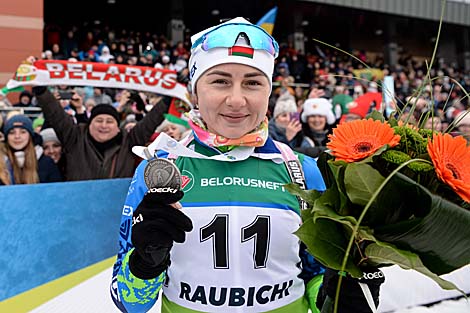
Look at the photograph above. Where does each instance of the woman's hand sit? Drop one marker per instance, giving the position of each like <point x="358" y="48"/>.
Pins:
<point x="77" y="102"/>
<point x="292" y="129"/>
<point x="316" y="93"/>
<point x="125" y="95"/>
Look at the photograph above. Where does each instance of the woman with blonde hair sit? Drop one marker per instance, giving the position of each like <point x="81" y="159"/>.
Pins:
<point x="4" y="175"/>
<point x="24" y="163"/>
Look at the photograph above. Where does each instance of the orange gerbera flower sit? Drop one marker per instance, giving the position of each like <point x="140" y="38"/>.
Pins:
<point x="356" y="140"/>
<point x="451" y="157"/>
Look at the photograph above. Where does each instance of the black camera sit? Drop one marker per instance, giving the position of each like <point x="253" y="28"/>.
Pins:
<point x="65" y="95"/>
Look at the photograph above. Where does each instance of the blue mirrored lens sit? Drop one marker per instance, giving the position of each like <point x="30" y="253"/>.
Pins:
<point x="226" y="35"/>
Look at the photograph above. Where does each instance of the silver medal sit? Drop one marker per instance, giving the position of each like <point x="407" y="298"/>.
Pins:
<point x="162" y="173"/>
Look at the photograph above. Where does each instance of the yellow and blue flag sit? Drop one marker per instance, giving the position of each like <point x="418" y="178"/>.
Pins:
<point x="267" y="21"/>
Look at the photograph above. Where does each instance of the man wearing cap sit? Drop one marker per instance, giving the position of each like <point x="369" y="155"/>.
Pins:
<point x="98" y="149"/>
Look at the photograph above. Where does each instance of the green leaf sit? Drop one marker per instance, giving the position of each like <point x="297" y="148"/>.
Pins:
<point x="400" y="199"/>
<point x="438" y="231"/>
<point x="324" y="167"/>
<point x="336" y="168"/>
<point x="306" y="214"/>
<point x="308" y="196"/>
<point x="381" y="253"/>
<point x="392" y="121"/>
<point x="325" y="240"/>
<point x="334" y="199"/>
<point x="376" y="116"/>
<point x="325" y="211"/>
<point x="361" y="181"/>
<point x="364" y="233"/>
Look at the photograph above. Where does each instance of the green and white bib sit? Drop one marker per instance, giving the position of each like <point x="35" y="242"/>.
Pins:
<point x="242" y="255"/>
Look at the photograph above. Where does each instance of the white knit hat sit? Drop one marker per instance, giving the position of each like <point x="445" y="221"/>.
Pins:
<point x="284" y="105"/>
<point x="49" y="134"/>
<point x="200" y="60"/>
<point x="318" y="106"/>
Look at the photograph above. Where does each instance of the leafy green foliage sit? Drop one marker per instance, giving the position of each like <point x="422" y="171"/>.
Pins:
<point x="405" y="224"/>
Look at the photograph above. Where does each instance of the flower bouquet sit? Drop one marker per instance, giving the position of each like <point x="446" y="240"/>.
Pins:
<point x="395" y="194"/>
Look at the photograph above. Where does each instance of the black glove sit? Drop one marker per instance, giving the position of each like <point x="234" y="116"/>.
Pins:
<point x="351" y="297"/>
<point x="139" y="103"/>
<point x="38" y="90"/>
<point x="156" y="225"/>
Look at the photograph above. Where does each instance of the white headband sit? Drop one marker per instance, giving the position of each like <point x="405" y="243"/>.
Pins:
<point x="200" y="60"/>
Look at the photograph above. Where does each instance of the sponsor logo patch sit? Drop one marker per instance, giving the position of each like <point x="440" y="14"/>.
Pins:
<point x="187" y="180"/>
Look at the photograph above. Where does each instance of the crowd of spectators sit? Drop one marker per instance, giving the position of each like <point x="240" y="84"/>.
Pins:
<point x="89" y="133"/>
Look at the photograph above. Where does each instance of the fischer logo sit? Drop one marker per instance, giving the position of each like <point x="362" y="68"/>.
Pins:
<point x="187" y="180"/>
<point x="163" y="190"/>
<point x="374" y="275"/>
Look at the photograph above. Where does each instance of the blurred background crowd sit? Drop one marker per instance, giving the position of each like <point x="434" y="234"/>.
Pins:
<point x="47" y="133"/>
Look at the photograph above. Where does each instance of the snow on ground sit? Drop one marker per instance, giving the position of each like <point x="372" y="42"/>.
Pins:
<point x="449" y="306"/>
<point x="402" y="290"/>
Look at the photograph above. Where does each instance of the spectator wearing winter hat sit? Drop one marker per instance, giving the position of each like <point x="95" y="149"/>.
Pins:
<point x="340" y="104"/>
<point x="285" y="125"/>
<point x="51" y="144"/>
<point x="37" y="124"/>
<point x="53" y="148"/>
<point x="317" y="121"/>
<point x="180" y="65"/>
<point x="24" y="100"/>
<point x="26" y="165"/>
<point x="165" y="64"/>
<point x="359" y="108"/>
<point x="174" y="127"/>
<point x="98" y="149"/>
<point x="105" y="56"/>
<point x="282" y="69"/>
